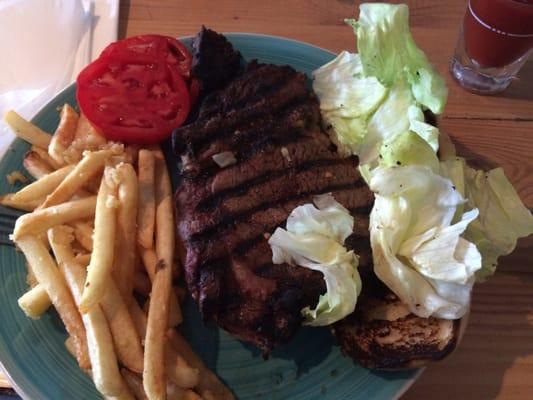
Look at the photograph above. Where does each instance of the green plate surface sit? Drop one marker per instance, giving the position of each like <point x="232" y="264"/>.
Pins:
<point x="310" y="367"/>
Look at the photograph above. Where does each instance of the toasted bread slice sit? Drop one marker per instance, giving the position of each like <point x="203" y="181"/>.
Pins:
<point x="383" y="334"/>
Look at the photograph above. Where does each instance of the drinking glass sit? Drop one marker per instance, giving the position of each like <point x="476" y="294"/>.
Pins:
<point x="495" y="40"/>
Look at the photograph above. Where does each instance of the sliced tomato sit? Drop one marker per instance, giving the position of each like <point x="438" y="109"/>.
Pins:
<point x="133" y="102"/>
<point x="135" y="91"/>
<point x="145" y="48"/>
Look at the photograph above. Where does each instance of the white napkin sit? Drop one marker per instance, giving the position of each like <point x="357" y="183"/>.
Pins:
<point x="44" y="44"/>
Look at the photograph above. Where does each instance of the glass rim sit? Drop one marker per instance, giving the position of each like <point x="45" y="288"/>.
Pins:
<point x="495" y="30"/>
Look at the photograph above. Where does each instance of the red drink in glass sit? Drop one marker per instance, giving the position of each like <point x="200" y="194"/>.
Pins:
<point x="495" y="41"/>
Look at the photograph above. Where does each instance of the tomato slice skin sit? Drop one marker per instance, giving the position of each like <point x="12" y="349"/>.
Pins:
<point x="134" y="96"/>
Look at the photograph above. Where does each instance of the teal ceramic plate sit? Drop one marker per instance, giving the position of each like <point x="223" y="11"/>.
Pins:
<point x="310" y="367"/>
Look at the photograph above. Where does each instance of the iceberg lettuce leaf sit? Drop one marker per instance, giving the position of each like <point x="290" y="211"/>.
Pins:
<point x="314" y="238"/>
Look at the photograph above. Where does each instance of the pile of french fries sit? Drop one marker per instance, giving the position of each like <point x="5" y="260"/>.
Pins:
<point x="99" y="241"/>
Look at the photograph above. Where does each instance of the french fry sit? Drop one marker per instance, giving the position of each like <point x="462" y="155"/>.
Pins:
<point x="104" y="364"/>
<point x="91" y="163"/>
<point x="125" y="248"/>
<point x="174" y="392"/>
<point x="139" y="318"/>
<point x="83" y="232"/>
<point x="35" y="302"/>
<point x="150" y="262"/>
<point x="135" y="384"/>
<point x="146" y="210"/>
<point x="125" y="336"/>
<point x="154" y="376"/>
<point x="141" y="283"/>
<point x="87" y="137"/>
<point x="131" y="152"/>
<point x="35" y="165"/>
<point x="99" y="270"/>
<point x="45" y="218"/>
<point x="30" y="205"/>
<point x="190" y="395"/>
<point x="209" y="387"/>
<point x="165" y="237"/>
<point x="31" y="280"/>
<point x="69" y="344"/>
<point x="46" y="157"/>
<point x="83" y="259"/>
<point x="42" y="187"/>
<point x="179" y="371"/>
<point x="48" y="275"/>
<point x="64" y="134"/>
<point x="176" y="367"/>
<point x="26" y="130"/>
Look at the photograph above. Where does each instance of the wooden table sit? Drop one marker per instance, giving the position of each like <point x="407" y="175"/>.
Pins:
<point x="495" y="359"/>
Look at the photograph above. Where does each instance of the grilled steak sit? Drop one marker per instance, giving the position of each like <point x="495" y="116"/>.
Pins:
<point x="269" y="120"/>
<point x="214" y="62"/>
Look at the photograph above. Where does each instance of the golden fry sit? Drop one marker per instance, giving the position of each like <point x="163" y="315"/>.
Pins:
<point x="45" y="218"/>
<point x="30" y="205"/>
<point x="69" y="344"/>
<point x="35" y="165"/>
<point x="146" y="210"/>
<point x="87" y="137"/>
<point x="99" y="270"/>
<point x="125" y="248"/>
<point x="176" y="367"/>
<point x="26" y="130"/>
<point x="35" y="302"/>
<point x="179" y="371"/>
<point x="154" y="376"/>
<point x="139" y="318"/>
<point x="42" y="187"/>
<point x="150" y="262"/>
<point x="64" y="134"/>
<point x="104" y="364"/>
<point x="165" y="237"/>
<point x="48" y="275"/>
<point x="91" y="163"/>
<point x="135" y="384"/>
<point x="125" y="336"/>
<point x="83" y="232"/>
<point x="190" y="395"/>
<point x="209" y="386"/>
<point x="46" y="157"/>
<point x="141" y="283"/>
<point x="83" y="259"/>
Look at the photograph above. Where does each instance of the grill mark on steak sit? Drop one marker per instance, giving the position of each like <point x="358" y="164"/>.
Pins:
<point x="277" y="181"/>
<point x="260" y="80"/>
<point x="261" y="212"/>
<point x="270" y="120"/>
<point x="202" y="130"/>
<point x="266" y="130"/>
<point x="269" y="160"/>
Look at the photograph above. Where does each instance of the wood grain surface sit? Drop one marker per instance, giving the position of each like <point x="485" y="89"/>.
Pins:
<point x="495" y="358"/>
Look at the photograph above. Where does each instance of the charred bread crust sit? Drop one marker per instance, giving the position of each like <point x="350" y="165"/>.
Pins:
<point x="383" y="334"/>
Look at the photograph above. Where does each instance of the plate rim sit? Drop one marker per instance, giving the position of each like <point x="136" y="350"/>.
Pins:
<point x="18" y="389"/>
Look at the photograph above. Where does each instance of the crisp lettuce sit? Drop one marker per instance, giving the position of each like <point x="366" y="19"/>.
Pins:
<point x="408" y="149"/>
<point x="347" y="99"/>
<point x="503" y="218"/>
<point x="371" y="98"/>
<point x="418" y="249"/>
<point x="389" y="53"/>
<point x="314" y="238"/>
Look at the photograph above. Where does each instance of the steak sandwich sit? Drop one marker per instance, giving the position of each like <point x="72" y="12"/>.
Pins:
<point x="256" y="150"/>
